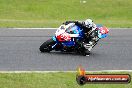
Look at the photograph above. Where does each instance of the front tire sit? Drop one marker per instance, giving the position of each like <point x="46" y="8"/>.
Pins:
<point x="82" y="50"/>
<point x="86" y="52"/>
<point x="47" y="46"/>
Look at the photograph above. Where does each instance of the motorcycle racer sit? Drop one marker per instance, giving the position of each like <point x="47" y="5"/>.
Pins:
<point x="75" y="36"/>
<point x="86" y="26"/>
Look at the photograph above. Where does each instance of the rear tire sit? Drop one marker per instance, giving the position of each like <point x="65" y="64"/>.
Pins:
<point x="47" y="46"/>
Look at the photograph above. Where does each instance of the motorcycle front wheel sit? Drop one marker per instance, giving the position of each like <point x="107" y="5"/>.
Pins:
<point x="47" y="46"/>
<point x="86" y="52"/>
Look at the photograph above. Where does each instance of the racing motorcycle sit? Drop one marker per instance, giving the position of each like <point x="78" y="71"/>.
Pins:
<point x="70" y="38"/>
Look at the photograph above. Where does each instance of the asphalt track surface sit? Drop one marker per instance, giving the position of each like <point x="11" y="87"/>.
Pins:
<point x="19" y="51"/>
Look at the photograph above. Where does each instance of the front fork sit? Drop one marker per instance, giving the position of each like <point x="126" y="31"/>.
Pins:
<point x="57" y="46"/>
<point x="54" y="39"/>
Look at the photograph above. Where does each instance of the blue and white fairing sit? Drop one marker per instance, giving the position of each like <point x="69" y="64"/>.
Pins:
<point x="75" y="32"/>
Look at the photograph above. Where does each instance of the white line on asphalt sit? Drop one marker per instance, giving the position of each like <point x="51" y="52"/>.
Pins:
<point x="62" y="71"/>
<point x="33" y="28"/>
<point x="50" y="28"/>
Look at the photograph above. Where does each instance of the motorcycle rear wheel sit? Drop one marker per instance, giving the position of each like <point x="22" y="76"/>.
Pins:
<point x="47" y="46"/>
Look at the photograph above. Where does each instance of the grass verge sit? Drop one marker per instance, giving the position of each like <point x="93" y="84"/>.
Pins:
<point x="51" y="80"/>
<point x="51" y="13"/>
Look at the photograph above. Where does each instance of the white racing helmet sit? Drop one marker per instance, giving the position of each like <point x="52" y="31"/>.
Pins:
<point x="88" y="23"/>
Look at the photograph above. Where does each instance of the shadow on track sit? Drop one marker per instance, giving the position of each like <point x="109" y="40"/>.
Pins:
<point x="92" y="54"/>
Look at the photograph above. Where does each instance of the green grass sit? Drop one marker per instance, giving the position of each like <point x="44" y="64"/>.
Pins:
<point x="50" y="80"/>
<point x="51" y="13"/>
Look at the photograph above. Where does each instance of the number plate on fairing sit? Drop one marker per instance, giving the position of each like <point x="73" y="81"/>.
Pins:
<point x="102" y="31"/>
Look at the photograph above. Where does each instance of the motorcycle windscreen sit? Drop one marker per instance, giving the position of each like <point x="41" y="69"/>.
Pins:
<point x="73" y="30"/>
